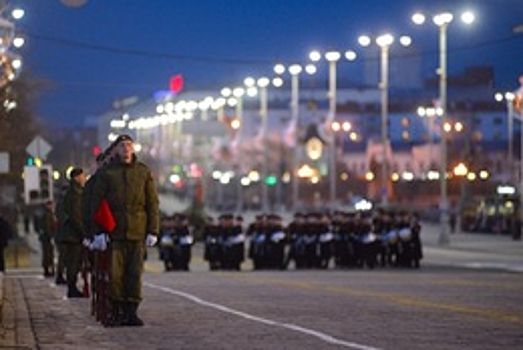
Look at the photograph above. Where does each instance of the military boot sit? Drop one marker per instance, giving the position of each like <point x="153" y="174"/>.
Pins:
<point x="73" y="292"/>
<point x="117" y="316"/>
<point x="132" y="318"/>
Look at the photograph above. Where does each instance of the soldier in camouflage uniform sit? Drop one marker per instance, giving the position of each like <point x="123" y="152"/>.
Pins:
<point x="46" y="233"/>
<point x="130" y="191"/>
<point x="73" y="230"/>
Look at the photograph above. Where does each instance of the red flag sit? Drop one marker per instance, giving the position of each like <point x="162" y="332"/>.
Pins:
<point x="104" y="216"/>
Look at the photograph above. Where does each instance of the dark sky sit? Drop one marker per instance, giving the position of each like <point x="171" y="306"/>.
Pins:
<point x="111" y="49"/>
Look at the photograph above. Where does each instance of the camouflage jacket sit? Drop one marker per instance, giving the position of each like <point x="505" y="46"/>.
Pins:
<point x="72" y="226"/>
<point x="131" y="194"/>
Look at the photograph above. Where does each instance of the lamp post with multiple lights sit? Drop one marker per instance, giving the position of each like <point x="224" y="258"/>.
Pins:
<point x="332" y="57"/>
<point x="294" y="70"/>
<point x="384" y="41"/>
<point x="442" y="20"/>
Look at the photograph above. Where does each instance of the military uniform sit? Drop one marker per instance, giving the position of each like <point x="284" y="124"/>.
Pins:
<point x="131" y="194"/>
<point x="46" y="234"/>
<point x="212" y="238"/>
<point x="73" y="233"/>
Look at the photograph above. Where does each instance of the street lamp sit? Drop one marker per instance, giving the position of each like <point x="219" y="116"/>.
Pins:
<point x="509" y="98"/>
<point x="238" y="93"/>
<point x="384" y="41"/>
<point x="10" y="62"/>
<point x="442" y="20"/>
<point x="332" y="57"/>
<point x="263" y="83"/>
<point x="294" y="70"/>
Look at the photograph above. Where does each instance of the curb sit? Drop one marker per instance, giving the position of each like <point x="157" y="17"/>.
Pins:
<point x="15" y="328"/>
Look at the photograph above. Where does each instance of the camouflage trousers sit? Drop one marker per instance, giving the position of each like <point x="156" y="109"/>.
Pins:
<point x="127" y="260"/>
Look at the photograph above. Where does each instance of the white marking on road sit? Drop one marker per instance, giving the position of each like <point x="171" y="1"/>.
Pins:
<point x="320" y="335"/>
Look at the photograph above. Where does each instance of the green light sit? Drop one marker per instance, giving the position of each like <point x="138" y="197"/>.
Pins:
<point x="271" y="180"/>
<point x="177" y="169"/>
<point x="30" y="161"/>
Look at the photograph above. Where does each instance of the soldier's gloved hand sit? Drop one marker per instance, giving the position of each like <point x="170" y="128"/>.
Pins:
<point x="87" y="243"/>
<point x="100" y="242"/>
<point x="151" y="240"/>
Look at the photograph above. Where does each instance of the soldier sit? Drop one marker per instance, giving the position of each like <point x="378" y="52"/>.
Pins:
<point x="276" y="241"/>
<point x="325" y="241"/>
<point x="59" y="237"/>
<point x="212" y="239"/>
<point x="238" y="243"/>
<point x="184" y="240"/>
<point x="101" y="160"/>
<point x="129" y="189"/>
<point x="257" y="235"/>
<point x="227" y="232"/>
<point x="46" y="233"/>
<point x="415" y="228"/>
<point x="295" y="233"/>
<point x="73" y="233"/>
<point x="6" y="233"/>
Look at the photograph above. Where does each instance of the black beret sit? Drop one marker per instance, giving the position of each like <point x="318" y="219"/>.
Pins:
<point x="75" y="172"/>
<point x="123" y="137"/>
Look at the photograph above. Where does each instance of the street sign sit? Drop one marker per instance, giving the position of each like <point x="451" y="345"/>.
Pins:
<point x="38" y="148"/>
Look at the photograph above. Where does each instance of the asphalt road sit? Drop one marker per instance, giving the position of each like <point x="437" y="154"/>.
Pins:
<point x="434" y="307"/>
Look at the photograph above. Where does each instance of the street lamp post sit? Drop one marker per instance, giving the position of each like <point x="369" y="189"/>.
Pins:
<point x="238" y="93"/>
<point x="332" y="57"/>
<point x="263" y="83"/>
<point x="384" y="41"/>
<point x="295" y="70"/>
<point x="442" y="20"/>
<point x="509" y="98"/>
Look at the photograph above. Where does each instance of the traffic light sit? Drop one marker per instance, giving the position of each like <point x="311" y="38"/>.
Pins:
<point x="45" y="181"/>
<point x="271" y="180"/>
<point x="38" y="184"/>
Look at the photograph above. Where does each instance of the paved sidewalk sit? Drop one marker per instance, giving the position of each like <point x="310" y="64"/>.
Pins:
<point x="472" y="250"/>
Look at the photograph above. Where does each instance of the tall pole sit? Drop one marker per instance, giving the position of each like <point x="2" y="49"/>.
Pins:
<point x="263" y="114"/>
<point x="332" y="117"/>
<point x="384" y="118"/>
<point x="239" y="191"/>
<point x="444" y="238"/>
<point x="510" y="116"/>
<point x="295" y="71"/>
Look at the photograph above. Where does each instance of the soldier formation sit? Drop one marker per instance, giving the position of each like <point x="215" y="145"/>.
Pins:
<point x="316" y="240"/>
